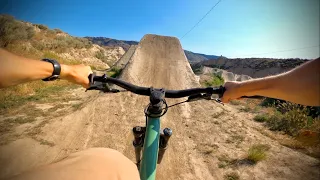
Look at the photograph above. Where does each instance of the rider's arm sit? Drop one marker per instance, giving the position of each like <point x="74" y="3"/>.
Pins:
<point x="15" y="70"/>
<point x="300" y="85"/>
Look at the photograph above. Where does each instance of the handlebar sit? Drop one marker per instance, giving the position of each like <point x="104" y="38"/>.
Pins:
<point x="146" y="90"/>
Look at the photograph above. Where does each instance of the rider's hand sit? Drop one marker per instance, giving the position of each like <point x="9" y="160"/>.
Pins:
<point x="232" y="91"/>
<point x="76" y="74"/>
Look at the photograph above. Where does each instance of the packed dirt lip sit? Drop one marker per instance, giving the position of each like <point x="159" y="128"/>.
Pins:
<point x="203" y="131"/>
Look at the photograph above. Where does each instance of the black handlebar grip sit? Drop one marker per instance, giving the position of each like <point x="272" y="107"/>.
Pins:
<point x="91" y="76"/>
<point x="222" y="90"/>
<point x="91" y="81"/>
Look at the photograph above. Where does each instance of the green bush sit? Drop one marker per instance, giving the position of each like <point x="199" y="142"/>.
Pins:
<point x="269" y="102"/>
<point x="12" y="31"/>
<point x="261" y="118"/>
<point x="216" y="80"/>
<point x="278" y="103"/>
<point x="197" y="68"/>
<point x="290" y="118"/>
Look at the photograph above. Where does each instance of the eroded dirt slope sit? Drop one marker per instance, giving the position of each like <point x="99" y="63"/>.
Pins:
<point x="205" y="133"/>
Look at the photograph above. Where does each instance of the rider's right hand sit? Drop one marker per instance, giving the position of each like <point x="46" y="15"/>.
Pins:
<point x="77" y="74"/>
<point x="232" y="91"/>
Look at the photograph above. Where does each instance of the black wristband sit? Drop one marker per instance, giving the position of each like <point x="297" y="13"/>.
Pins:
<point x="56" y="70"/>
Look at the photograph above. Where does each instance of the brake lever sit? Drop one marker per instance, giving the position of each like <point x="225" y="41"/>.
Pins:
<point x="218" y="101"/>
<point x="199" y="97"/>
<point x="103" y="87"/>
<point x="203" y="96"/>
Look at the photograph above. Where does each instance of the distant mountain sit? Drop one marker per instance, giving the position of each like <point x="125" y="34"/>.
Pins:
<point x="103" y="41"/>
<point x="191" y="56"/>
<point x="194" y="57"/>
<point x="211" y="56"/>
<point x="197" y="57"/>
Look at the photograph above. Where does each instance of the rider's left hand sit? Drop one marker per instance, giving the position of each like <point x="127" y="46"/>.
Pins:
<point x="76" y="74"/>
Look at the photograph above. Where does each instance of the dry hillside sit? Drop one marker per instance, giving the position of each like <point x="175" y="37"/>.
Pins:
<point x="253" y="67"/>
<point x="38" y="41"/>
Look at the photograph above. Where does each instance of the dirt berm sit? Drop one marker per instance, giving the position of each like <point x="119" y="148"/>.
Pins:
<point x="205" y="134"/>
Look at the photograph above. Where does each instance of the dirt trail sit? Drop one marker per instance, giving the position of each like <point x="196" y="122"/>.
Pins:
<point x="203" y="132"/>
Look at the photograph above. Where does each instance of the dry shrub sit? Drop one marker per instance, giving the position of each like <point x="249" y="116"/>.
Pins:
<point x="257" y="152"/>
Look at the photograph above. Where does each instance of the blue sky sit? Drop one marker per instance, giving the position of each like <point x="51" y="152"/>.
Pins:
<point x="234" y="28"/>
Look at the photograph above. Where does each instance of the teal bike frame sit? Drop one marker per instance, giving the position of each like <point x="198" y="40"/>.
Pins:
<point x="149" y="159"/>
<point x="149" y="138"/>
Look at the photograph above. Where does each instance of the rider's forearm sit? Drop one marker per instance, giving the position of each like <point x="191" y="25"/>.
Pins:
<point x="300" y="85"/>
<point x="15" y="69"/>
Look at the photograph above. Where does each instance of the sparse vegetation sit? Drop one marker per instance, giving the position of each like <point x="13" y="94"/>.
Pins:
<point x="22" y="120"/>
<point x="7" y="125"/>
<point x="100" y="55"/>
<point x="197" y="68"/>
<point x="216" y="80"/>
<point x="37" y="129"/>
<point x="250" y="105"/>
<point x="61" y="44"/>
<point x="267" y="102"/>
<point x="235" y="139"/>
<point x="225" y="161"/>
<point x="218" y="114"/>
<point x="17" y="96"/>
<point x="261" y="118"/>
<point x="289" y="117"/>
<point x="207" y="148"/>
<point x="77" y="106"/>
<point x="257" y="152"/>
<point x="58" y="31"/>
<point x="12" y="31"/>
<point x="245" y="108"/>
<point x="114" y="72"/>
<point x="45" y="142"/>
<point x="56" y="107"/>
<point x="41" y="26"/>
<point x="231" y="176"/>
<point x="235" y="102"/>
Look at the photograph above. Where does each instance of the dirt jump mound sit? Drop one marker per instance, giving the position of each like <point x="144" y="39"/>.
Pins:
<point x="159" y="61"/>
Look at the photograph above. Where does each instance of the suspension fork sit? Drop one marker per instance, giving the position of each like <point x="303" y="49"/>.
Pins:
<point x="164" y="140"/>
<point x="139" y="134"/>
<point x="148" y="139"/>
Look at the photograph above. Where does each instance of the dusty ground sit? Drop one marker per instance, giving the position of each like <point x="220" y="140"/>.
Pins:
<point x="205" y="133"/>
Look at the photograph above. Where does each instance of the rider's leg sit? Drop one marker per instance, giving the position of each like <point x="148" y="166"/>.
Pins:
<point x="95" y="163"/>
